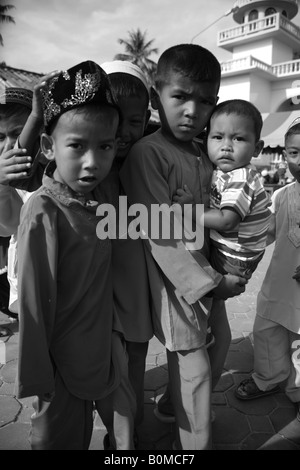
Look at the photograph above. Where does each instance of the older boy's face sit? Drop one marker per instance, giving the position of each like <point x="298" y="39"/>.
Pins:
<point x="292" y="154"/>
<point x="185" y="106"/>
<point x="231" y="142"/>
<point x="83" y="146"/>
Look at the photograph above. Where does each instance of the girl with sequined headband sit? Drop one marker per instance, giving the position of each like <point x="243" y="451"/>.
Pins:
<point x="277" y="323"/>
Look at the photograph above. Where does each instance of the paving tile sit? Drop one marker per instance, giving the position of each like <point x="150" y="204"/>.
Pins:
<point x="14" y="437"/>
<point x="260" y="424"/>
<point x="238" y="361"/>
<point x="8" y="371"/>
<point x="230" y="426"/>
<point x="9" y="409"/>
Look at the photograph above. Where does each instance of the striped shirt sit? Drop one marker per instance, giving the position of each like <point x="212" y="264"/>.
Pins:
<point x="242" y="191"/>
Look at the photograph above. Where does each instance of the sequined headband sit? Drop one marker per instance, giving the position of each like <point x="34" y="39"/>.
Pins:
<point x="80" y="85"/>
<point x="17" y="95"/>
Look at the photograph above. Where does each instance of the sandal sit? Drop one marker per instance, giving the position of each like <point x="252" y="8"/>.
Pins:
<point x="248" y="390"/>
<point x="4" y="332"/>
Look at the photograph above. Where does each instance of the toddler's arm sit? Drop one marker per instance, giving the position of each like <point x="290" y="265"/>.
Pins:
<point x="223" y="219"/>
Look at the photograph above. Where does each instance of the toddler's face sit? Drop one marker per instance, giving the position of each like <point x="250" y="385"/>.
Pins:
<point x="131" y="129"/>
<point x="83" y="146"/>
<point x="10" y="129"/>
<point x="231" y="142"/>
<point x="292" y="154"/>
<point x="185" y="106"/>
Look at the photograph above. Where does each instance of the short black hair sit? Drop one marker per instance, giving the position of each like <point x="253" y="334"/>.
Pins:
<point x="241" y="108"/>
<point x="190" y="60"/>
<point x="125" y="85"/>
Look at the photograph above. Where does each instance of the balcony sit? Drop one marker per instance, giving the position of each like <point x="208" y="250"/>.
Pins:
<point x="254" y="30"/>
<point x="284" y="69"/>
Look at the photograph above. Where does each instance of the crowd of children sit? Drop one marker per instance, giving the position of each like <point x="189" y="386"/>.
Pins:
<point x="87" y="305"/>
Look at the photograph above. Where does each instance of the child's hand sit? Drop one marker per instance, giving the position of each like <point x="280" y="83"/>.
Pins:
<point x="297" y="274"/>
<point x="183" y="196"/>
<point x="37" y="108"/>
<point x="14" y="165"/>
<point x="230" y="286"/>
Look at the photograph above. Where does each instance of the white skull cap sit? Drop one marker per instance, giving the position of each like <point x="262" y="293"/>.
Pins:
<point x="124" y="66"/>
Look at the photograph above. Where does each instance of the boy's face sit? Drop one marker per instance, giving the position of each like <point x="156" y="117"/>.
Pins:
<point x="83" y="146"/>
<point x="231" y="142"/>
<point x="185" y="106"/>
<point x="10" y="129"/>
<point x="135" y="117"/>
<point x="292" y="154"/>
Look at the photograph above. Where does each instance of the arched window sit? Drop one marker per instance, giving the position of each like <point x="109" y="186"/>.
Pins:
<point x="270" y="11"/>
<point x="253" y="15"/>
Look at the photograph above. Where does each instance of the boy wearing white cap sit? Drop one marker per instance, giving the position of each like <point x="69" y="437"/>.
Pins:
<point x="130" y="278"/>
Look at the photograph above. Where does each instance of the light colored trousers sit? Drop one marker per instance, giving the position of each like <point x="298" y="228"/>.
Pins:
<point x="276" y="357"/>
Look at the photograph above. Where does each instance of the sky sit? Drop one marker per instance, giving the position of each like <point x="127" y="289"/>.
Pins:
<point x="57" y="34"/>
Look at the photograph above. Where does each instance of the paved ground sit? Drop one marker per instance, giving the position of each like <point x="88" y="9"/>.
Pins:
<point x="267" y="423"/>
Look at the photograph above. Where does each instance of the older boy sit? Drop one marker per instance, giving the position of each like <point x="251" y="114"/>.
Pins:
<point x="68" y="355"/>
<point x="186" y="92"/>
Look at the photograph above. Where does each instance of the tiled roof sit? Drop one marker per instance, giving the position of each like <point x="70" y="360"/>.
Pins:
<point x="11" y="77"/>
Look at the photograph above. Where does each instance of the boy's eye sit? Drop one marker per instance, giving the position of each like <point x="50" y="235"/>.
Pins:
<point x="179" y="97"/>
<point x="106" y="147"/>
<point x="75" y="145"/>
<point x="216" y="137"/>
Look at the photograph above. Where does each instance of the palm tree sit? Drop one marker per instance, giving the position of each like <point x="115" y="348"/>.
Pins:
<point x="5" y="18"/>
<point x="138" y="51"/>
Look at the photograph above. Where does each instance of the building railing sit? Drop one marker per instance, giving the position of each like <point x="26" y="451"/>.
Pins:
<point x="278" y="70"/>
<point x="245" y="63"/>
<point x="267" y="23"/>
<point x="287" y="68"/>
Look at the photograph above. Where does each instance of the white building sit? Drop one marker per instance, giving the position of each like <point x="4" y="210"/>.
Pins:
<point x="265" y="67"/>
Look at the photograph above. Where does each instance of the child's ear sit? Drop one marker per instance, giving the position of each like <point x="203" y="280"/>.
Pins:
<point x="258" y="148"/>
<point x="47" y="146"/>
<point x="154" y="98"/>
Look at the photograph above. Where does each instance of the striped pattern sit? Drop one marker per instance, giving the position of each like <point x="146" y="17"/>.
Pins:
<point x="242" y="191"/>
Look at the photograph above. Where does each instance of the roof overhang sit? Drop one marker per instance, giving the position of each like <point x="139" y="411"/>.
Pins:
<point x="275" y="126"/>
